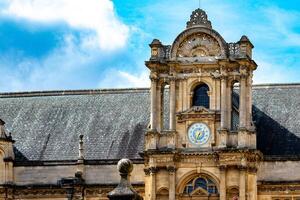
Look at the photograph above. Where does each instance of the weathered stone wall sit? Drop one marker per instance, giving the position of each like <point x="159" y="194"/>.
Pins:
<point x="279" y="171"/>
<point x="108" y="174"/>
<point x="42" y="174"/>
<point x="94" y="174"/>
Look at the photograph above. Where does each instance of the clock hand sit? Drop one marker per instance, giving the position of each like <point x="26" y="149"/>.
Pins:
<point x="198" y="134"/>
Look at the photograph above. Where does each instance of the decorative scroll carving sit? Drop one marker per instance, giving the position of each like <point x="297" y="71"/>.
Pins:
<point x="216" y="74"/>
<point x="147" y="171"/>
<point x="198" y="18"/>
<point x="199" y="45"/>
<point x="153" y="76"/>
<point x="243" y="72"/>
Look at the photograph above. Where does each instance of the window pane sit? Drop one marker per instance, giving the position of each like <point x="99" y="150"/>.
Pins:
<point x="201" y="97"/>
<point x="201" y="182"/>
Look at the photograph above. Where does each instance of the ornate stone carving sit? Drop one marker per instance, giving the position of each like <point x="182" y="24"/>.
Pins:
<point x="153" y="76"/>
<point x="216" y="74"/>
<point x="234" y="49"/>
<point x="243" y="72"/>
<point x="198" y="18"/>
<point x="199" y="45"/>
<point x="171" y="169"/>
<point x="153" y="170"/>
<point x="147" y="171"/>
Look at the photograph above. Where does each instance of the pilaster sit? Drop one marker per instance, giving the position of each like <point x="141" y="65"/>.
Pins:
<point x="153" y="117"/>
<point x="172" y="171"/>
<point x="159" y="101"/>
<point x="242" y="106"/>
<point x="242" y="186"/>
<point x="223" y="100"/>
<point x="222" y="182"/>
<point x="153" y="171"/>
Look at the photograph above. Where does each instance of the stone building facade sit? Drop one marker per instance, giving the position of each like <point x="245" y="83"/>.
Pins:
<point x="203" y="131"/>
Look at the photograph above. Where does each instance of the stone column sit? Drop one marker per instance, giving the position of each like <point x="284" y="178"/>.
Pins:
<point x="223" y="102"/>
<point x="242" y="188"/>
<point x="229" y="106"/>
<point x="249" y="104"/>
<point x="172" y="103"/>
<point x="186" y="95"/>
<point x="222" y="183"/>
<point x="172" y="180"/>
<point x="159" y="108"/>
<point x="242" y="106"/>
<point x="153" y="102"/>
<point x="153" y="171"/>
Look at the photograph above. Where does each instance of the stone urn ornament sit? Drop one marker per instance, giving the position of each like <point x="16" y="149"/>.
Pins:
<point x="124" y="190"/>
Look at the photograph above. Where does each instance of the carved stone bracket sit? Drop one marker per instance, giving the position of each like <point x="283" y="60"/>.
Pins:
<point x="153" y="76"/>
<point x="153" y="170"/>
<point x="147" y="171"/>
<point x="243" y="72"/>
<point x="171" y="169"/>
<point x="216" y="74"/>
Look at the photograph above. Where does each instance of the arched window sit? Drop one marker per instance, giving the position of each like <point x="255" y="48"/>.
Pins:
<point x="235" y="107"/>
<point x="201" y="183"/>
<point x="201" y="97"/>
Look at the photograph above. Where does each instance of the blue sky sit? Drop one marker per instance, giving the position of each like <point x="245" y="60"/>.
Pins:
<point x="91" y="44"/>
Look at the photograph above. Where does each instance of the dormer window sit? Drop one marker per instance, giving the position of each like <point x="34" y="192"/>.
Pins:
<point x="201" y="97"/>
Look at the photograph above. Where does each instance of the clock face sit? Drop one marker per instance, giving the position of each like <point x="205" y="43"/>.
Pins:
<point x="199" y="133"/>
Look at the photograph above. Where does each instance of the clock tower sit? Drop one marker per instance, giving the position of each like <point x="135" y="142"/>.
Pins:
<point x="201" y="141"/>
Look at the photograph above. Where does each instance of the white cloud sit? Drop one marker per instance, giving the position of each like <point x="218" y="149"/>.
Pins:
<point x="95" y="15"/>
<point x="122" y="79"/>
<point x="141" y="80"/>
<point x="269" y="71"/>
<point x="60" y="69"/>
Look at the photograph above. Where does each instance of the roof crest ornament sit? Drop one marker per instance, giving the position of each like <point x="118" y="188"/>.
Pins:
<point x="198" y="18"/>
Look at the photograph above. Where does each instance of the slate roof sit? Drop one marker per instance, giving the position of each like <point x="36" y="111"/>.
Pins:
<point x="46" y="125"/>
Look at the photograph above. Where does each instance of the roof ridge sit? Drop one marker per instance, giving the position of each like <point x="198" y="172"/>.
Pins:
<point x="275" y="85"/>
<point x="73" y="92"/>
<point x="119" y="90"/>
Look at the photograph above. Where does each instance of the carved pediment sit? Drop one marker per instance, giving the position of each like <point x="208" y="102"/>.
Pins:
<point x="199" y="45"/>
<point x="196" y="109"/>
<point x="197" y="112"/>
<point x="199" y="192"/>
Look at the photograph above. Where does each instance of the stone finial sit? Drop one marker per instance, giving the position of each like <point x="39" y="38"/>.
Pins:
<point x="124" y="191"/>
<point x="155" y="42"/>
<point x="80" y="153"/>
<point x="245" y="39"/>
<point x="156" y="49"/>
<point x="198" y="18"/>
<point x="80" y="160"/>
<point x="125" y="167"/>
